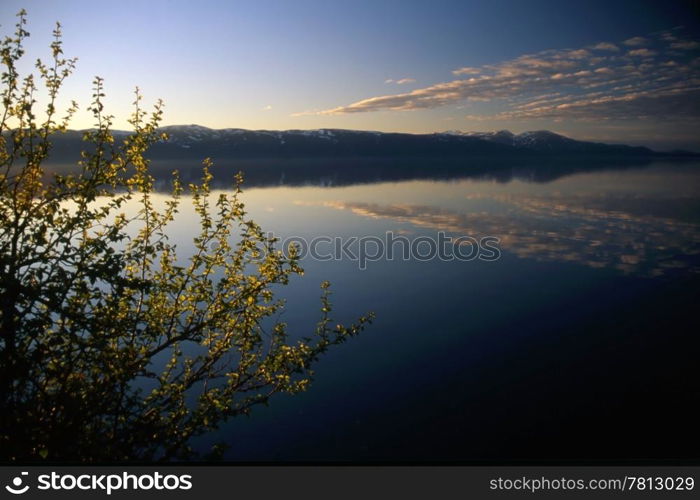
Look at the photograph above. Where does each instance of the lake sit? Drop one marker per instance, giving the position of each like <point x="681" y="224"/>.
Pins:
<point x="577" y="340"/>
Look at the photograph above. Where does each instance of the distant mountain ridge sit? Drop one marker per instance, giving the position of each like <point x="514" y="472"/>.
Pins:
<point x="195" y="141"/>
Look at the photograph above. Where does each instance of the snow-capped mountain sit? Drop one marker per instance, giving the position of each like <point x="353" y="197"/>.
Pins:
<point x="344" y="142"/>
<point x="187" y="135"/>
<point x="195" y="141"/>
<point x="540" y="140"/>
<point x="501" y="136"/>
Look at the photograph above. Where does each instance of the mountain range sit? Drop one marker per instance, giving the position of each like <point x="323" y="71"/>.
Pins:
<point x="194" y="141"/>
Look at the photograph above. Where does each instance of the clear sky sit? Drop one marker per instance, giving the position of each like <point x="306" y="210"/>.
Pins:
<point x="625" y="71"/>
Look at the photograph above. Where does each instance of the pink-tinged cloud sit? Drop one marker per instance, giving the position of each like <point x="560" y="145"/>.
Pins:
<point x="653" y="81"/>
<point x="400" y="81"/>
<point x="467" y="71"/>
<point x="606" y="46"/>
<point x="642" y="53"/>
<point x="636" y="41"/>
<point x="686" y="45"/>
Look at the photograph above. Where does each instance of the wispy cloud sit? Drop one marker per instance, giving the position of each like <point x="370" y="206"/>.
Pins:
<point x="686" y="45"/>
<point x="606" y="46"/>
<point x="467" y="71"/>
<point x="636" y="41"/>
<point x="400" y="81"/>
<point x="642" y="53"/>
<point x="657" y="77"/>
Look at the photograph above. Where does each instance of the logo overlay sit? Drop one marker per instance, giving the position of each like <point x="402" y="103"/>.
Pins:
<point x="16" y="488"/>
<point x="106" y="483"/>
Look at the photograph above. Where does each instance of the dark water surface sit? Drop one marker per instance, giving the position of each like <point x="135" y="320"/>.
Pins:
<point x="580" y="342"/>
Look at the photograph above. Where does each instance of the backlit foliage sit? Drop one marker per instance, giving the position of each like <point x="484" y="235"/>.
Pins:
<point x="112" y="347"/>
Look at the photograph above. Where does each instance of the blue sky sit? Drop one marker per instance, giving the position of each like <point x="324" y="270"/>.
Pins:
<point x="425" y="66"/>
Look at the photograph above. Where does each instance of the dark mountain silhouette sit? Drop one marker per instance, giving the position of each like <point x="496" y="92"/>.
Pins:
<point x="196" y="142"/>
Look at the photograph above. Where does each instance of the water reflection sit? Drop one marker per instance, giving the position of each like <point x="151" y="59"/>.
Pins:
<point x="579" y="229"/>
<point x="559" y="349"/>
<point x="328" y="172"/>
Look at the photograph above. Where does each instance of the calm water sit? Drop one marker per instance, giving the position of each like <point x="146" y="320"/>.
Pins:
<point x="581" y="341"/>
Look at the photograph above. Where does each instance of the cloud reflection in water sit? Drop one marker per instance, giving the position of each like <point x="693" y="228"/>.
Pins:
<point x="578" y="229"/>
